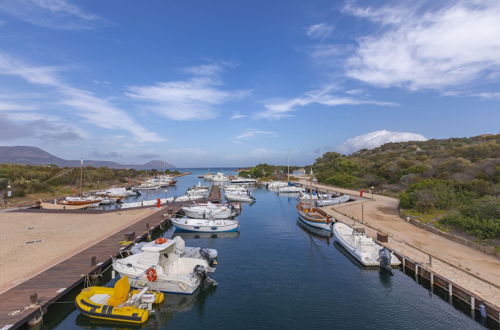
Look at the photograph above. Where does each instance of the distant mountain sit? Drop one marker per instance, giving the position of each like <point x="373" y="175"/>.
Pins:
<point x="36" y="156"/>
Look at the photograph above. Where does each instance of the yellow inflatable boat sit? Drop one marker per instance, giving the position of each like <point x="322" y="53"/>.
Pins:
<point x="117" y="304"/>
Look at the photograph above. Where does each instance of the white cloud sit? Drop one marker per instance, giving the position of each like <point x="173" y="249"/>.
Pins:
<point x="252" y="133"/>
<point x="489" y="95"/>
<point x="97" y="111"/>
<point x="319" y="31"/>
<point x="237" y="115"/>
<point x="375" y="139"/>
<point x="191" y="99"/>
<point x="428" y="48"/>
<point x="281" y="109"/>
<point x="54" y="14"/>
<point x="14" y="106"/>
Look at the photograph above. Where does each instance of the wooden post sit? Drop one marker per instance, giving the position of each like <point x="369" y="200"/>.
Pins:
<point x="430" y="260"/>
<point x="432" y="279"/>
<point x="93" y="261"/>
<point x="34" y="298"/>
<point x="362" y="212"/>
<point x="450" y="291"/>
<point x="416" y="272"/>
<point x="472" y="305"/>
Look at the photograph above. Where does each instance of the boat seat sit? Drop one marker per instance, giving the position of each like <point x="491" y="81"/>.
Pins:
<point x="100" y="298"/>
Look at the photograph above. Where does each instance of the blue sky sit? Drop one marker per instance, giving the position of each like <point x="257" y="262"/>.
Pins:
<point x="232" y="83"/>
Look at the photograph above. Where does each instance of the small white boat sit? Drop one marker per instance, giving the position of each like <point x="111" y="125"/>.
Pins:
<point x="147" y="186"/>
<point x="239" y="196"/>
<point x="291" y="189"/>
<point x="187" y="198"/>
<point x="205" y="225"/>
<point x="210" y="211"/>
<point x="89" y="201"/>
<point x="235" y="187"/>
<point x="303" y="196"/>
<point x="333" y="201"/>
<point x="313" y="216"/>
<point x="247" y="181"/>
<point x="160" y="268"/>
<point x="275" y="185"/>
<point x="108" y="201"/>
<point x="219" y="177"/>
<point x="181" y="249"/>
<point x="197" y="192"/>
<point x="362" y="247"/>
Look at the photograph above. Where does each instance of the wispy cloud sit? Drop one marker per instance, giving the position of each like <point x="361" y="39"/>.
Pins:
<point x="97" y="111"/>
<point x="319" y="31"/>
<point x="375" y="139"/>
<point x="191" y="99"/>
<point x="428" y="47"/>
<point x="237" y="115"/>
<point x="324" y="96"/>
<point x="488" y="95"/>
<point x="53" y="14"/>
<point x="252" y="133"/>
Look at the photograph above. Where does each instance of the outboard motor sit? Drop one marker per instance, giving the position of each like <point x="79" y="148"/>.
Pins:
<point x="204" y="254"/>
<point x="200" y="271"/>
<point x="384" y="256"/>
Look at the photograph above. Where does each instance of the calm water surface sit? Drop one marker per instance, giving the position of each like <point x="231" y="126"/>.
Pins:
<point x="277" y="274"/>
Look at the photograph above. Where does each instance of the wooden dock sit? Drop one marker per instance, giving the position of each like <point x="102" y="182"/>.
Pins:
<point x="215" y="195"/>
<point x="18" y="305"/>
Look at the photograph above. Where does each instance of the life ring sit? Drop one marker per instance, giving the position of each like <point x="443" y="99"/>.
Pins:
<point x="151" y="274"/>
<point x="161" y="240"/>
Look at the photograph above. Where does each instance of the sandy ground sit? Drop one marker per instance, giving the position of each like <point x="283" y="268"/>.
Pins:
<point x="382" y="214"/>
<point x="60" y="235"/>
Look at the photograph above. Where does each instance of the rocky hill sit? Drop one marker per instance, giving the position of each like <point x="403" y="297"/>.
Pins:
<point x="36" y="156"/>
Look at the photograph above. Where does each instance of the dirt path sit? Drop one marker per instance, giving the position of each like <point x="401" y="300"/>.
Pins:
<point x="32" y="242"/>
<point x="381" y="213"/>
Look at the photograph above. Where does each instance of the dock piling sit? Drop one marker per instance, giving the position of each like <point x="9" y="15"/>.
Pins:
<point x="93" y="261"/>
<point x="34" y="298"/>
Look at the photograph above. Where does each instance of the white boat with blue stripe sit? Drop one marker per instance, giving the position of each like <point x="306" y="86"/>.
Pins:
<point x="205" y="225"/>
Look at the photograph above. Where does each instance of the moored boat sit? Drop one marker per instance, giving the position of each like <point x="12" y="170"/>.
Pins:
<point x="205" y="225"/>
<point x="360" y="246"/>
<point x="332" y="201"/>
<point x="210" y="211"/>
<point x="313" y="216"/>
<point x="118" y="304"/>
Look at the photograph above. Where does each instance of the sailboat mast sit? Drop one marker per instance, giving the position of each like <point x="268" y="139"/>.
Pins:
<point x="288" y="165"/>
<point x="81" y="177"/>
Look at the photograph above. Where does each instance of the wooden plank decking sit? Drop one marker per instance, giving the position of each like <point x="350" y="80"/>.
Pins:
<point x="215" y="194"/>
<point x="69" y="273"/>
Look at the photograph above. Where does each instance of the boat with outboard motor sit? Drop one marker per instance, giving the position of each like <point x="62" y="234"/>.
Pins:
<point x="205" y="225"/>
<point x="239" y="196"/>
<point x="118" y="304"/>
<point x="160" y="267"/>
<point x="362" y="247"/>
<point x="182" y="250"/>
<point x="332" y="201"/>
<point x="246" y="181"/>
<point x="210" y="211"/>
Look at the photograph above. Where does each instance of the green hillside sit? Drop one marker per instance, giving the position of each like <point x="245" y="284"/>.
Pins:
<point x="452" y="183"/>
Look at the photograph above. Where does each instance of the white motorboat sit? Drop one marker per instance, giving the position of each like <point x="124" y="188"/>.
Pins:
<point x="239" y="196"/>
<point x="247" y="181"/>
<point x="197" y="191"/>
<point x="159" y="267"/>
<point x="362" y="247"/>
<point x="205" y="225"/>
<point x="333" y="201"/>
<point x="235" y="187"/>
<point x="210" y="211"/>
<point x="291" y="189"/>
<point x="108" y="201"/>
<point x="187" y="198"/>
<point x="88" y="201"/>
<point x="219" y="177"/>
<point x="303" y="196"/>
<point x="182" y="250"/>
<point x="275" y="185"/>
<point x="147" y="186"/>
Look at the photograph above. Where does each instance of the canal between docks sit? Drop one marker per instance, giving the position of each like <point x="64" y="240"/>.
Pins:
<point x="279" y="274"/>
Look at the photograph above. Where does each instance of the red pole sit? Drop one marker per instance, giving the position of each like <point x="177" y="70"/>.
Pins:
<point x="361" y="193"/>
<point x="158" y="203"/>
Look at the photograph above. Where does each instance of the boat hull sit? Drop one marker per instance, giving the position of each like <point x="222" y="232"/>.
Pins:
<point x="205" y="226"/>
<point x="324" y="226"/>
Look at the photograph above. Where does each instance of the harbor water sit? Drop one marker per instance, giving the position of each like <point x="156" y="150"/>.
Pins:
<point x="279" y="274"/>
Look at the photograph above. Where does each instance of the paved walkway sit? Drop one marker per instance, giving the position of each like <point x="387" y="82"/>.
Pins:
<point x="381" y="214"/>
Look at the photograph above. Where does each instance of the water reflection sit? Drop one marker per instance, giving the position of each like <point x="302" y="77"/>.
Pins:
<point x="188" y="235"/>
<point x="385" y="278"/>
<point x="317" y="233"/>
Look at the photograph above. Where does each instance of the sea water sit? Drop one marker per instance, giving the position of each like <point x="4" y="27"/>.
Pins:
<point x="277" y="273"/>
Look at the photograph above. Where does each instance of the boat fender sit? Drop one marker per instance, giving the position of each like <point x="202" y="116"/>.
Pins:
<point x="161" y="240"/>
<point x="151" y="274"/>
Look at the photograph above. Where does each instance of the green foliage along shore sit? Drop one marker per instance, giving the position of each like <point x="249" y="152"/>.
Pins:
<point x="267" y="172"/>
<point x="457" y="179"/>
<point x="51" y="179"/>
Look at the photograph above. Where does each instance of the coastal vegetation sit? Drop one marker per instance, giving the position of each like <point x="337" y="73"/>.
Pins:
<point x="47" y="181"/>
<point x="451" y="183"/>
<point x="267" y="172"/>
